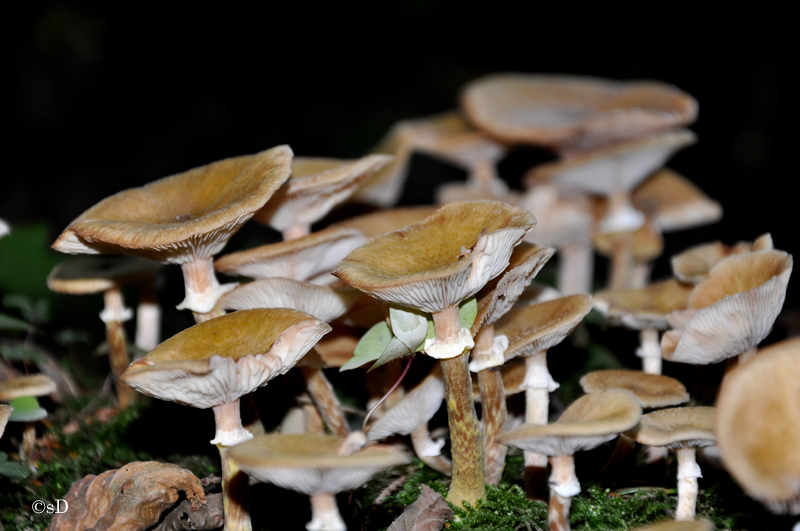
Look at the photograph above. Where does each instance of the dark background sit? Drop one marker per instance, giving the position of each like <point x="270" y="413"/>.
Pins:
<point x="105" y="96"/>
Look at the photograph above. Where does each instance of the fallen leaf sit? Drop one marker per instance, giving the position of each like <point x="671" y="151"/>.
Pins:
<point x="428" y="513"/>
<point x="131" y="498"/>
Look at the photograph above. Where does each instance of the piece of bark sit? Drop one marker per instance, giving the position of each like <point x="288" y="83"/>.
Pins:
<point x="185" y="517"/>
<point x="131" y="498"/>
<point x="428" y="513"/>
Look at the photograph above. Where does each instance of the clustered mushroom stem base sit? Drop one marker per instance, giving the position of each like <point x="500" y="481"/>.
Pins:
<point x="564" y="485"/>
<point x="494" y="412"/>
<point x="325" y="514"/>
<point x="468" y="483"/>
<point x="324" y="398"/>
<point x="688" y="472"/>
<point x="117" y="341"/>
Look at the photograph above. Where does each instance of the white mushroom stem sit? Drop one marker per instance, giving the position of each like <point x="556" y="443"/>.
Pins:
<point x="650" y="351"/>
<point x="487" y="357"/>
<point x="575" y="267"/>
<point x="641" y="274"/>
<point x="235" y="484"/>
<point x="538" y="385"/>
<point x="202" y="289"/>
<point x="325" y="514"/>
<point x="113" y="315"/>
<point x="622" y="264"/>
<point x="148" y="318"/>
<point x="564" y="485"/>
<point x="688" y="472"/>
<point x="468" y="483"/>
<point x="430" y="451"/>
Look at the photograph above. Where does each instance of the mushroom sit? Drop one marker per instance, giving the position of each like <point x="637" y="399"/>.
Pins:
<point x="587" y="423"/>
<point x="184" y="219"/>
<point x="652" y="390"/>
<point x="383" y="221"/>
<point x="316" y="465"/>
<point x="572" y="113"/>
<point x="310" y="258"/>
<point x="674" y="202"/>
<point x="757" y="423"/>
<point x="22" y="393"/>
<point x="5" y="412"/>
<point x="214" y="363"/>
<point x="694" y="264"/>
<point x="732" y="310"/>
<point x="106" y="274"/>
<point x="315" y="187"/>
<point x="433" y="266"/>
<point x="683" y="429"/>
<point x="647" y="310"/>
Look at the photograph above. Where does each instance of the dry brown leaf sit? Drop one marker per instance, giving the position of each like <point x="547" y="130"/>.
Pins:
<point x="131" y="498"/>
<point x="428" y="513"/>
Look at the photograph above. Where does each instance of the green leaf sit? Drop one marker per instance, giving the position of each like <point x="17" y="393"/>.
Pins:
<point x="3" y="457"/>
<point x="18" y="352"/>
<point x="409" y="326"/>
<point x="28" y="275"/>
<point x="468" y="312"/>
<point x="14" y="324"/>
<point x="395" y="350"/>
<point x="430" y="335"/>
<point x="13" y="470"/>
<point x="370" y="346"/>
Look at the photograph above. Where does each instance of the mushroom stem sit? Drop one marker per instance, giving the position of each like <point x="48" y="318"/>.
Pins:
<point x="563" y="486"/>
<point x="148" y="318"/>
<point x="295" y="231"/>
<point x="575" y="265"/>
<point x="622" y="264"/>
<point x="650" y="351"/>
<point x="202" y="290"/>
<point x="493" y="404"/>
<point x="325" y="514"/>
<point x="468" y="483"/>
<point x="430" y="451"/>
<point x="114" y="315"/>
<point x="235" y="494"/>
<point x="28" y="444"/>
<point x="229" y="425"/>
<point x="538" y="385"/>
<point x="688" y="472"/>
<point x="321" y="392"/>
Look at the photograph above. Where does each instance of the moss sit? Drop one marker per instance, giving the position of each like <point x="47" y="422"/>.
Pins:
<point x="504" y="508"/>
<point x="600" y="509"/>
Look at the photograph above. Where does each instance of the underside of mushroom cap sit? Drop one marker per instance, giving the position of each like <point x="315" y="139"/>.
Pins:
<point x="589" y="422"/>
<point x="572" y="112"/>
<point x="644" y="308"/>
<point x="441" y="261"/>
<point x="676" y="427"/>
<point x="736" y="308"/>
<point x="310" y="464"/>
<point x="220" y="360"/>
<point x="183" y="217"/>
<point x="758" y="426"/>
<point x="31" y="385"/>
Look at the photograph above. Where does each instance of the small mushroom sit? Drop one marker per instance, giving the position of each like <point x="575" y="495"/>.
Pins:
<point x="22" y="393"/>
<point x="316" y="465"/>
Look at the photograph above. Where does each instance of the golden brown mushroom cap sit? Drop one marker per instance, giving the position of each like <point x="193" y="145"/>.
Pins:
<point x="310" y="463"/>
<point x="572" y="112"/>
<point x="694" y="264"/>
<point x="315" y="187"/>
<point x="183" y="217"/>
<point x="95" y="274"/>
<point x="646" y="307"/>
<point x="758" y="425"/>
<point x="589" y="422"/>
<point x="33" y="385"/>
<point x="736" y="307"/>
<point x="221" y="359"/>
<point x="652" y="390"/>
<point x="383" y="221"/>
<point x="676" y="427"/>
<point x="442" y="260"/>
<point x="538" y="327"/>
<point x="674" y="202"/>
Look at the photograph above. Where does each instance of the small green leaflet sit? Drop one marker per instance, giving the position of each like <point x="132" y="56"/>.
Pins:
<point x="410" y="327"/>
<point x="14" y="324"/>
<point x="12" y="469"/>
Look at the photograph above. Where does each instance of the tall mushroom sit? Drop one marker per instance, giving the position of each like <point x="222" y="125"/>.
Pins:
<point x="215" y="363"/>
<point x="432" y="266"/>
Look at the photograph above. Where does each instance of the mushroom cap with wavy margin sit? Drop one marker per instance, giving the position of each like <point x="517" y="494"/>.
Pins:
<point x="311" y="464"/>
<point x="652" y="390"/>
<point x="183" y="217"/>
<point x="572" y="112"/>
<point x="694" y="264"/>
<point x="643" y="308"/>
<point x="676" y="427"/>
<point x="674" y="202"/>
<point x="383" y="221"/>
<point x="442" y="260"/>
<point x="587" y="423"/>
<point x="758" y="425"/>
<point x="218" y="361"/>
<point x="315" y="187"/>
<point x="732" y="310"/>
